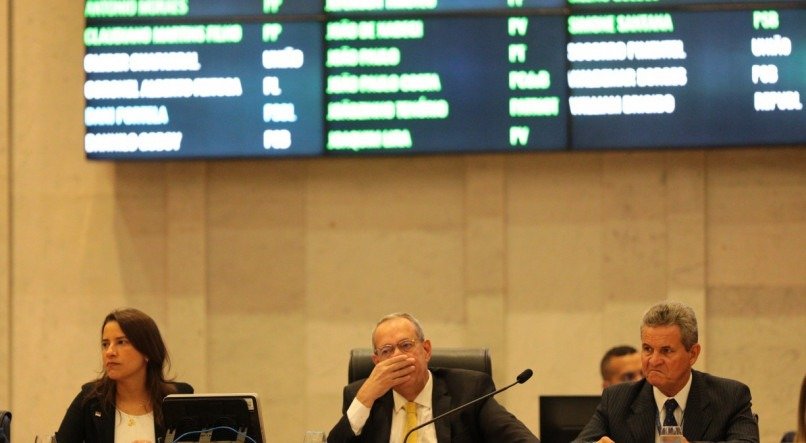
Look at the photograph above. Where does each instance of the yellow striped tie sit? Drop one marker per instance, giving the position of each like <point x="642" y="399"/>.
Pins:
<point x="411" y="422"/>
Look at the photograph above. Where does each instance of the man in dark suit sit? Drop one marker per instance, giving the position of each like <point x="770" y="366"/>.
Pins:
<point x="401" y="392"/>
<point x="707" y="408"/>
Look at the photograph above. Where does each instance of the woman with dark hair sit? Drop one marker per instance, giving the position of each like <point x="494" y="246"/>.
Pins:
<point x="125" y="403"/>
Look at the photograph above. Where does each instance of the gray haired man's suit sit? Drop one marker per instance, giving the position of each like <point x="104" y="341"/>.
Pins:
<point x="717" y="410"/>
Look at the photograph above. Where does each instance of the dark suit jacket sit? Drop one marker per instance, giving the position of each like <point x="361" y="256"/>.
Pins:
<point x="90" y="422"/>
<point x="717" y="409"/>
<point x="485" y="421"/>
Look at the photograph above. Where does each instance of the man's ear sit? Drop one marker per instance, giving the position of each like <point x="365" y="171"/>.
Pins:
<point x="427" y="349"/>
<point x="694" y="353"/>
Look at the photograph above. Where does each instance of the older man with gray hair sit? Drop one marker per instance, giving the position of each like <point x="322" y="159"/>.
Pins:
<point x="402" y="393"/>
<point x="672" y="395"/>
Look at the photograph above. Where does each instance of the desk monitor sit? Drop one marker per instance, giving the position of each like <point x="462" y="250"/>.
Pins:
<point x="213" y="418"/>
<point x="562" y="417"/>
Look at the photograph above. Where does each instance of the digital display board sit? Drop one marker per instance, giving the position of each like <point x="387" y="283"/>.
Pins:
<point x="685" y="79"/>
<point x="278" y="78"/>
<point x="432" y="85"/>
<point x="203" y="90"/>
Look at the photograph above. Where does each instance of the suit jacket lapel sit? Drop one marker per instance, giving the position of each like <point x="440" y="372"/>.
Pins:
<point x="644" y="413"/>
<point x="695" y="420"/>
<point x="441" y="403"/>
<point x="381" y="415"/>
<point x="104" y="421"/>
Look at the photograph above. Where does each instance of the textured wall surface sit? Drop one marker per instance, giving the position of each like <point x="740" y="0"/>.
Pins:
<point x="263" y="274"/>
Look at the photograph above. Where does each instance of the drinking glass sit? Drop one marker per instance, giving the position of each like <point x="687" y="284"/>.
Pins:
<point x="314" y="437"/>
<point x="671" y="434"/>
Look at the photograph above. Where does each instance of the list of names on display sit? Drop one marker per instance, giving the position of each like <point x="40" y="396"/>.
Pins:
<point x="196" y="79"/>
<point x="682" y="79"/>
<point x="200" y="90"/>
<point x="198" y="9"/>
<point x="444" y="84"/>
<point x="582" y="5"/>
<point x="433" y="6"/>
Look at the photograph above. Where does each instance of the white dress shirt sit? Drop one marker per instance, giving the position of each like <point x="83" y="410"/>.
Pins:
<point x="681" y="398"/>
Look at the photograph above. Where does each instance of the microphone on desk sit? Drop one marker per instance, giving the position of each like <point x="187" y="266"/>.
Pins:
<point x="521" y="378"/>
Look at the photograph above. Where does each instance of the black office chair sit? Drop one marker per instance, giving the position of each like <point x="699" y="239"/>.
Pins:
<point x="5" y="427"/>
<point x="477" y="359"/>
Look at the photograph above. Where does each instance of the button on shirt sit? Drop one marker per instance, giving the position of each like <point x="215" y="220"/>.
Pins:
<point x="358" y="414"/>
<point x="680" y="397"/>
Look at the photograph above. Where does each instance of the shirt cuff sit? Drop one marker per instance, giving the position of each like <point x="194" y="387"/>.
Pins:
<point x="357" y="414"/>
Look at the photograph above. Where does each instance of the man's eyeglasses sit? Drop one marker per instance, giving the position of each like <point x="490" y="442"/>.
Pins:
<point x="387" y="351"/>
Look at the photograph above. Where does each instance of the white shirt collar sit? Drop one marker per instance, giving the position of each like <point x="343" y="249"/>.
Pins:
<point x="681" y="398"/>
<point x="423" y="398"/>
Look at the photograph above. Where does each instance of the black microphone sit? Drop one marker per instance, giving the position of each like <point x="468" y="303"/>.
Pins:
<point x="521" y="378"/>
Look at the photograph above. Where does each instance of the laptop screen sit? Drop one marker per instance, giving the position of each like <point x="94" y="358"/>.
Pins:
<point x="212" y="417"/>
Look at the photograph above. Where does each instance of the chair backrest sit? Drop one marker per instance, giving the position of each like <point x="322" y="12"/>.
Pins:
<point x="477" y="359"/>
<point x="5" y="426"/>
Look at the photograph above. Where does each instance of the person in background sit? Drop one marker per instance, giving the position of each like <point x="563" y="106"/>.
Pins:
<point x="125" y="403"/>
<point x="707" y="408"/>
<point x="799" y="435"/>
<point x="620" y="364"/>
<point x="401" y="385"/>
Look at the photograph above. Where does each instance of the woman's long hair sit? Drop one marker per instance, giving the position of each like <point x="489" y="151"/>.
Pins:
<point x="143" y="334"/>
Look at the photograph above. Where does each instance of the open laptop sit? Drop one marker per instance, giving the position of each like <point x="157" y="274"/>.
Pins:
<point x="225" y="417"/>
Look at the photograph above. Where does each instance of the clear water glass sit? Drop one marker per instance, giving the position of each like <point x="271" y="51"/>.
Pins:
<point x="671" y="434"/>
<point x="314" y="437"/>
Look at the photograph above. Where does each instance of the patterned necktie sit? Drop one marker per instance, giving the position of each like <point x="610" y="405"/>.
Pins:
<point x="670" y="406"/>
<point x="411" y="423"/>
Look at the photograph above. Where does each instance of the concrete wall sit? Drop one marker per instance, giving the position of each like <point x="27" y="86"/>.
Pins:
<point x="263" y="274"/>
